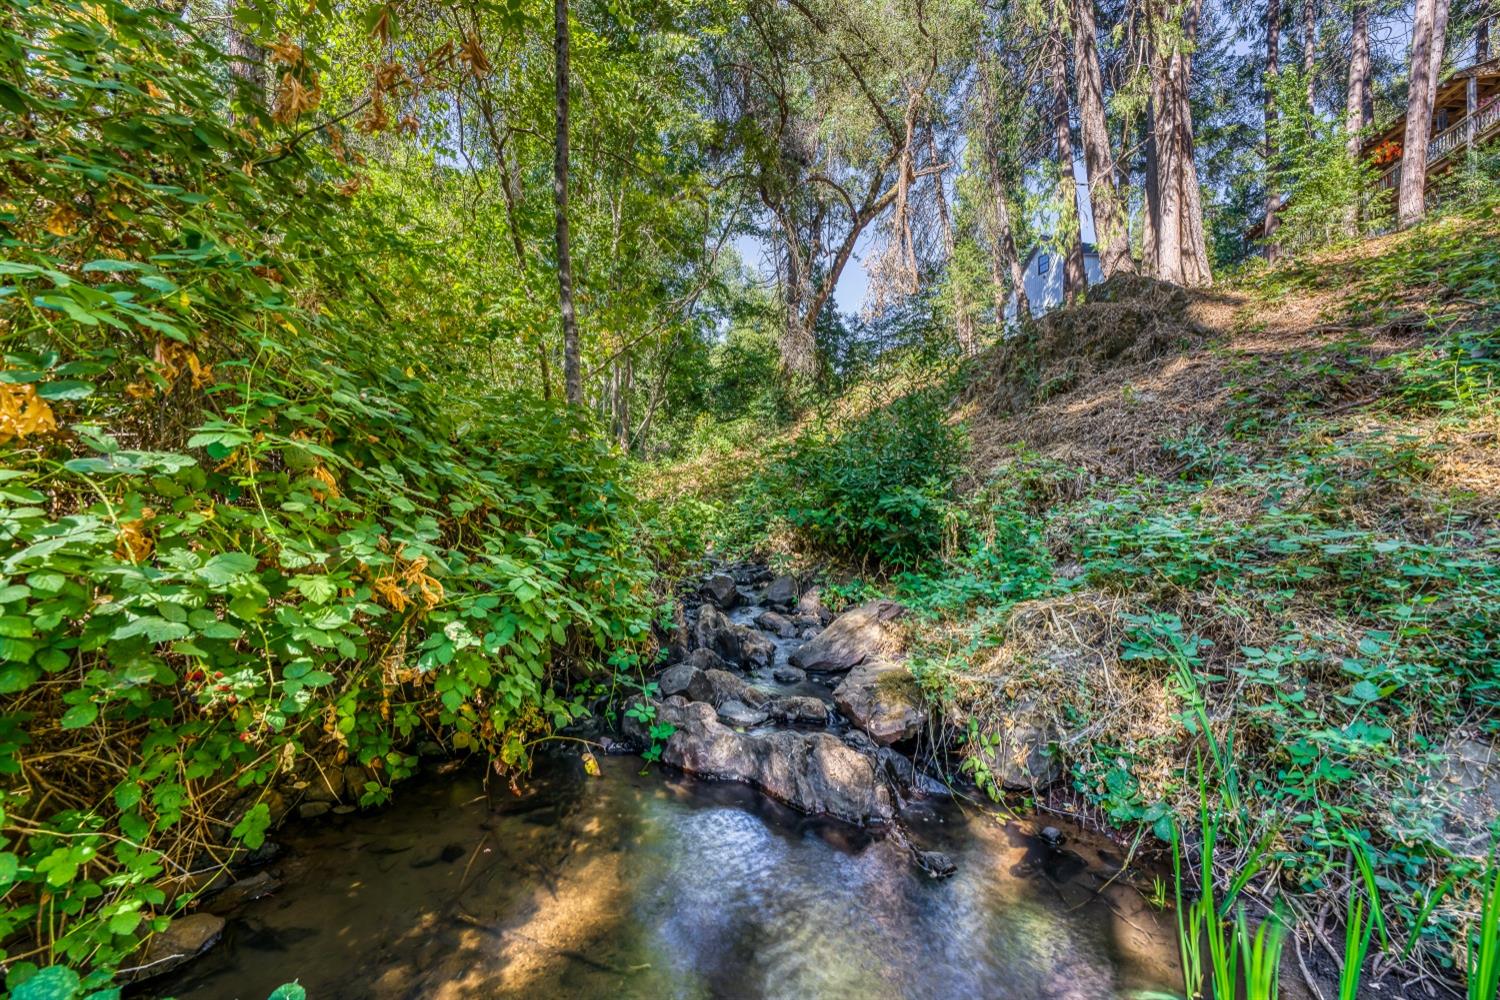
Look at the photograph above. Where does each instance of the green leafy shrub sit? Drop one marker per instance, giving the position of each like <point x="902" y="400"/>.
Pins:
<point x="241" y="536"/>
<point x="879" y="490"/>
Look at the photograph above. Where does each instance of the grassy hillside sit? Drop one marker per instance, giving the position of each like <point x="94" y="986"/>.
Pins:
<point x="1236" y="545"/>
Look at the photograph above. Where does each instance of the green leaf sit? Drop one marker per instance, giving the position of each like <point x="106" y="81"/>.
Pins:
<point x="16" y="626"/>
<point x="80" y="715"/>
<point x="12" y="99"/>
<point x="16" y="650"/>
<point x="124" y="923"/>
<point x="317" y="589"/>
<point x="225" y="568"/>
<point x="46" y="583"/>
<point x="153" y="628"/>
<point x="252" y="827"/>
<point x="55" y="982"/>
<point x="67" y="389"/>
<point x="127" y="795"/>
<point x="15" y="677"/>
<point x="288" y="991"/>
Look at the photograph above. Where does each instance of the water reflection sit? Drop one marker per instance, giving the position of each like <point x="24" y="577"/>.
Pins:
<point x="631" y="886"/>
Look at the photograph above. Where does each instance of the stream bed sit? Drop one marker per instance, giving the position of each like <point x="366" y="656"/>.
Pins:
<point x="659" y="886"/>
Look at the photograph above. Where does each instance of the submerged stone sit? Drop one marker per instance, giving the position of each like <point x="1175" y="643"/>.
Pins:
<point x="737" y="713"/>
<point x="788" y="674"/>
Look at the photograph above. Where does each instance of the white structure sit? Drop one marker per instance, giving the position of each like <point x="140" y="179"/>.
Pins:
<point x="1043" y="270"/>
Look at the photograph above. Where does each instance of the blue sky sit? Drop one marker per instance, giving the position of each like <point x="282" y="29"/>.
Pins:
<point x="849" y="296"/>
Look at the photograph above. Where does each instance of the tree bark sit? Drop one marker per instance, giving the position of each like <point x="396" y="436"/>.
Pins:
<point x="1359" y="108"/>
<point x="1273" y="70"/>
<point x="1181" y="251"/>
<point x="1150" y="241"/>
<point x="1482" y="40"/>
<point x="1110" y="233"/>
<point x="1067" y="184"/>
<point x="572" y="370"/>
<point x="1439" y="45"/>
<point x="247" y="61"/>
<point x="1309" y="47"/>
<point x="1411" y="199"/>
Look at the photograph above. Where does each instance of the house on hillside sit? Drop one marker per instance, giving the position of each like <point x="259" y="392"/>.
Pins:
<point x="1465" y="114"/>
<point x="1043" y="280"/>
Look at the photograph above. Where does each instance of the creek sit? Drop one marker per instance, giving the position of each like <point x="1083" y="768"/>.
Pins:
<point x="653" y="884"/>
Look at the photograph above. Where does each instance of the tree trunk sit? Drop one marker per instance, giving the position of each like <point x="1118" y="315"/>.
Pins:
<point x="1359" y="105"/>
<point x="1150" y="241"/>
<point x="1309" y="47"/>
<point x="572" y="370"/>
<point x="1110" y="233"/>
<point x="1067" y="185"/>
<point x="1482" y="40"/>
<point x="1172" y="181"/>
<point x="246" y="60"/>
<point x="1411" y="199"/>
<point x="1006" y="241"/>
<point x="798" y="346"/>
<point x="1359" y="108"/>
<point x="1439" y="43"/>
<point x="1195" y="240"/>
<point x="1273" y="70"/>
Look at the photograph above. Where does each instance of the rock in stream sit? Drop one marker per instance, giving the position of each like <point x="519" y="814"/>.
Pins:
<point x="812" y="772"/>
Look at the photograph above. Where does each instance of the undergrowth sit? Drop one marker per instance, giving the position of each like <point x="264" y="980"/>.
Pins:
<point x="252" y="527"/>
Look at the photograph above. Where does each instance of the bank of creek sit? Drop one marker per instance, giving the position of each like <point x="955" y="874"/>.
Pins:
<point x="808" y="857"/>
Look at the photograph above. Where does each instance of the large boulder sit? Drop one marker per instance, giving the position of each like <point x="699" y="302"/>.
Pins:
<point x="782" y="593"/>
<point x="722" y="590"/>
<point x="733" y="643"/>
<point x="882" y="698"/>
<point x="678" y="640"/>
<point x="861" y="633"/>
<point x="1017" y="748"/>
<point x="811" y="772"/>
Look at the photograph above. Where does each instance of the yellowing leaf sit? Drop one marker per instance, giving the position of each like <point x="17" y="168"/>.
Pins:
<point x="63" y="221"/>
<point x="23" y="413"/>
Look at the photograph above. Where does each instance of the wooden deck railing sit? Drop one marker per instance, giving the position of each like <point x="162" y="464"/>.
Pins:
<point x="1483" y="122"/>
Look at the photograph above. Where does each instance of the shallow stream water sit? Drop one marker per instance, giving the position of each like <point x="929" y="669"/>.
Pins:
<point x="656" y="886"/>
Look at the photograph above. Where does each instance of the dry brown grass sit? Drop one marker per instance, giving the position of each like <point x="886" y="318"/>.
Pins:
<point x="1100" y="385"/>
<point x="1059" y="657"/>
